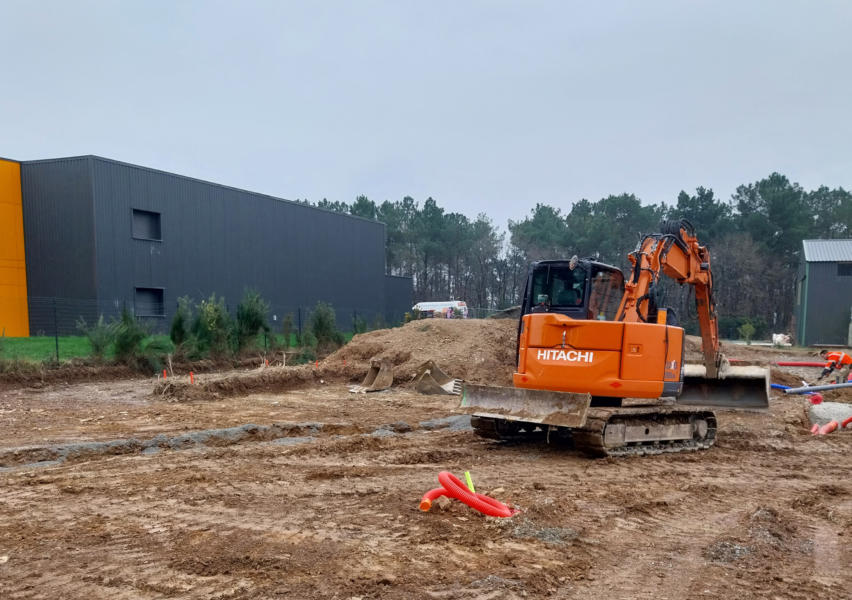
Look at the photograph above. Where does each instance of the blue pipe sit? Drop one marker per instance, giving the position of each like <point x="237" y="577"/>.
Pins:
<point x="778" y="386"/>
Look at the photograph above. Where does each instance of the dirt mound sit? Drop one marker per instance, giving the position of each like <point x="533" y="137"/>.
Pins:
<point x="479" y="351"/>
<point x="476" y="350"/>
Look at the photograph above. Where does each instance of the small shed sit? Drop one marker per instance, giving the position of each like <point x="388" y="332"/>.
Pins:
<point x="824" y="293"/>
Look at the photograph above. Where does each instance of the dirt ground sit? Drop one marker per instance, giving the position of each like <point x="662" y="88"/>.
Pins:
<point x="322" y="501"/>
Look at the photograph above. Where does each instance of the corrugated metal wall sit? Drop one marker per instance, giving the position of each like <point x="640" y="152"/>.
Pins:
<point x="399" y="297"/>
<point x="829" y="297"/>
<point x="222" y="240"/>
<point x="58" y="236"/>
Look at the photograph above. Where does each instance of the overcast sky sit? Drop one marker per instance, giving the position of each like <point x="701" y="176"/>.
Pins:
<point x="487" y="106"/>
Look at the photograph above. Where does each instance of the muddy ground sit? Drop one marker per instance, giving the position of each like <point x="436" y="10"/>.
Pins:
<point x="320" y="500"/>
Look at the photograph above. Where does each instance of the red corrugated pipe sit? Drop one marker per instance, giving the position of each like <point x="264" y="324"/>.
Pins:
<point x="789" y="363"/>
<point x="454" y="488"/>
<point x="846" y="423"/>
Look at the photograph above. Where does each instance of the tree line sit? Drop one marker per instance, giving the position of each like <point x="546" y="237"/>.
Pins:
<point x="755" y="240"/>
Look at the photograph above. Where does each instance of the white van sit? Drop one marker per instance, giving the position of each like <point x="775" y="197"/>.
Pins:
<point x="451" y="309"/>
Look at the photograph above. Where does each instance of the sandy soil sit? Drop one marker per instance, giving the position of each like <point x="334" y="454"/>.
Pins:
<point x="766" y="513"/>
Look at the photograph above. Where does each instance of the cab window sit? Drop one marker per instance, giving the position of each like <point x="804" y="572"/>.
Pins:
<point x="559" y="286"/>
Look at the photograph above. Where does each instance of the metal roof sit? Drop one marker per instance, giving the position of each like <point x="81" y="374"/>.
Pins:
<point x="828" y="250"/>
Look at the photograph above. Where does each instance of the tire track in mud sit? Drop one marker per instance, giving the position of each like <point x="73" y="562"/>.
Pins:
<point x="135" y="539"/>
<point x="281" y="433"/>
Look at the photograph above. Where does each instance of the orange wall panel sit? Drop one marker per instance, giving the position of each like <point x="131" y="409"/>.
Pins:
<point x="14" y="318"/>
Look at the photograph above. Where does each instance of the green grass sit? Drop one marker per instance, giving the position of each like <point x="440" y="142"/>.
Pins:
<point x="43" y="348"/>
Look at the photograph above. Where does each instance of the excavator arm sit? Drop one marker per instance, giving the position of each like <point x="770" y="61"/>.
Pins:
<point x="676" y="253"/>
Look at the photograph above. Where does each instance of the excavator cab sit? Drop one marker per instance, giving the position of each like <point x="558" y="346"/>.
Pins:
<point x="577" y="288"/>
<point x="580" y="289"/>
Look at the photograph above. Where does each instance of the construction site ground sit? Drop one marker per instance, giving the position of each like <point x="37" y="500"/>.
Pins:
<point x="279" y="483"/>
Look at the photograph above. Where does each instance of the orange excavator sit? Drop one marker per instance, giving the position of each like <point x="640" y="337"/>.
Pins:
<point x="600" y="362"/>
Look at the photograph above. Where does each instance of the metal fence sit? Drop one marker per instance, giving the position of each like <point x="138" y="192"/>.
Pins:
<point x="59" y="317"/>
<point x="65" y="316"/>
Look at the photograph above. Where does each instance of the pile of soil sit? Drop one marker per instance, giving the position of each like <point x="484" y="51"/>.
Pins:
<point x="476" y="350"/>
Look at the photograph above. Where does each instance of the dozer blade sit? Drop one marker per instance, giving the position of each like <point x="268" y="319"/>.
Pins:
<point x="737" y="388"/>
<point x="530" y="406"/>
<point x="430" y="379"/>
<point x="379" y="377"/>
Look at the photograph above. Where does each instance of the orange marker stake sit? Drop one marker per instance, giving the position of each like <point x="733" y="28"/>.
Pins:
<point x="165" y="375"/>
<point x="191" y="378"/>
<point x="316" y="364"/>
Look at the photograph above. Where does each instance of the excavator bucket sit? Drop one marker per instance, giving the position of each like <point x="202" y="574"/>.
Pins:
<point x="737" y="388"/>
<point x="379" y="377"/>
<point x="541" y="407"/>
<point x="431" y="379"/>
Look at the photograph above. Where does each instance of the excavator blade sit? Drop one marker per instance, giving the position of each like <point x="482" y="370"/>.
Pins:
<point x="529" y="406"/>
<point x="737" y="388"/>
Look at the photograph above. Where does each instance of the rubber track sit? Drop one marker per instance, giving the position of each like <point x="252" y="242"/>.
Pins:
<point x="590" y="438"/>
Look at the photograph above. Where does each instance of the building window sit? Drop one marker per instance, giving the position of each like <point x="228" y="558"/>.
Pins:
<point x="146" y="225"/>
<point x="844" y="269"/>
<point x="149" y="302"/>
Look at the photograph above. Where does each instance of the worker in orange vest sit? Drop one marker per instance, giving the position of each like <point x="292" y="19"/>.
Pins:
<point x="840" y="361"/>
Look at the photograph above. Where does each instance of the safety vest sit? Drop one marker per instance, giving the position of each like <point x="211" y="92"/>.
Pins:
<point x="838" y="358"/>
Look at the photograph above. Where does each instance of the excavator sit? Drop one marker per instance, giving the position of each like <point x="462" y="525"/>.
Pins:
<point x="599" y="362"/>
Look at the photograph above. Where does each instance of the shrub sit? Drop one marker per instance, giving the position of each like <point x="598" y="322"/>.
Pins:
<point x="309" y="340"/>
<point x="155" y="351"/>
<point x="180" y="323"/>
<point x="212" y="327"/>
<point x="287" y="328"/>
<point x="251" y="317"/>
<point x="100" y="335"/>
<point x="308" y="349"/>
<point x="129" y="334"/>
<point x="746" y="331"/>
<point x="359" y="324"/>
<point x="323" y="326"/>
<point x="305" y="355"/>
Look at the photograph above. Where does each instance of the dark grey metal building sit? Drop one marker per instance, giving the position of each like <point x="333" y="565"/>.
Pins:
<point x="108" y="234"/>
<point x="824" y="293"/>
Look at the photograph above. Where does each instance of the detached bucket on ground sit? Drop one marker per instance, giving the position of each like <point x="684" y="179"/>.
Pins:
<point x="431" y="379"/>
<point x="379" y="377"/>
